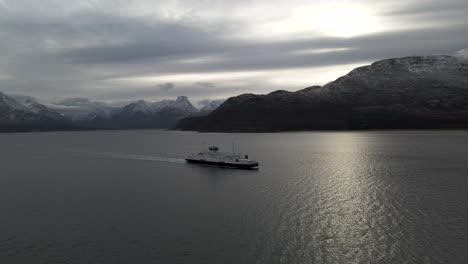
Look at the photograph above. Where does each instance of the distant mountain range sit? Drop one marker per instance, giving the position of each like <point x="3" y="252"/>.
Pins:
<point x="401" y="93"/>
<point x="23" y="113"/>
<point x="141" y="114"/>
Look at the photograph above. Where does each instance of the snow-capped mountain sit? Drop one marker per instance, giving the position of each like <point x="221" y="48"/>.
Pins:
<point x="395" y="79"/>
<point x="141" y="114"/>
<point x="8" y="103"/>
<point x="138" y="114"/>
<point x="182" y="103"/>
<point x="79" y="109"/>
<point x="408" y="92"/>
<point x="32" y="105"/>
<point x="27" y="114"/>
<point x="140" y="106"/>
<point x="212" y="105"/>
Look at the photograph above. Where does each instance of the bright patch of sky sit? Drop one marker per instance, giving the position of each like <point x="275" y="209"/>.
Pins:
<point x="123" y="50"/>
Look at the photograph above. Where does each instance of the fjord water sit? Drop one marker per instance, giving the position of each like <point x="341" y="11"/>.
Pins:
<point x="318" y="197"/>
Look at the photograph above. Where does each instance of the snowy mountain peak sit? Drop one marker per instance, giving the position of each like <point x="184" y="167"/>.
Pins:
<point x="28" y="102"/>
<point x="25" y="110"/>
<point x="32" y="105"/>
<point x="8" y="102"/>
<point x="139" y="106"/>
<point x="182" y="99"/>
<point x="181" y="103"/>
<point x="212" y="105"/>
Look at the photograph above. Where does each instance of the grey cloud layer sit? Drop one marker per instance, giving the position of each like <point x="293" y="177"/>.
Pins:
<point x="263" y="55"/>
<point x="74" y="53"/>
<point x="428" y="7"/>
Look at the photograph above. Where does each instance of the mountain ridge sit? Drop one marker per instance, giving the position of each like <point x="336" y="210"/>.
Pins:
<point x="141" y="114"/>
<point x="397" y="93"/>
<point x="24" y="113"/>
<point x="28" y="115"/>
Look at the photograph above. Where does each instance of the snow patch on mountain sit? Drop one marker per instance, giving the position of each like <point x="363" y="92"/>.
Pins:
<point x="32" y="105"/>
<point x="9" y="102"/>
<point x="25" y="109"/>
<point x="139" y="106"/>
<point x="210" y="105"/>
<point x="181" y="103"/>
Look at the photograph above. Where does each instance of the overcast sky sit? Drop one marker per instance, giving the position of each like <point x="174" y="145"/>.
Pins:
<point x="112" y="50"/>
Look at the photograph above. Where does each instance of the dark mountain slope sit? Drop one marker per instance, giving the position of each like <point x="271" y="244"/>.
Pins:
<point x="410" y="92"/>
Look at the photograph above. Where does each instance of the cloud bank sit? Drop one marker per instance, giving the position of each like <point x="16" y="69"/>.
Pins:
<point x="125" y="50"/>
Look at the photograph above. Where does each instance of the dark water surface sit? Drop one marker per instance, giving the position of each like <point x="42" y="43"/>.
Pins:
<point x="128" y="197"/>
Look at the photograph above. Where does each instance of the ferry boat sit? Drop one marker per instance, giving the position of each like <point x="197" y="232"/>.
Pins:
<point x="215" y="158"/>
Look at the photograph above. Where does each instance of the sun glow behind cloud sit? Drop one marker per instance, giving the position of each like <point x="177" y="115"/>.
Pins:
<point x="336" y="19"/>
<point x="342" y="20"/>
<point x="116" y="49"/>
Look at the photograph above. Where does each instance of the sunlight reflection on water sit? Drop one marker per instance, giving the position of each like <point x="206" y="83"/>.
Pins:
<point x="367" y="197"/>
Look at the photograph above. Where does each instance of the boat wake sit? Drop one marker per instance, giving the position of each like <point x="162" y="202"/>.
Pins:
<point x="138" y="157"/>
<point x="83" y="153"/>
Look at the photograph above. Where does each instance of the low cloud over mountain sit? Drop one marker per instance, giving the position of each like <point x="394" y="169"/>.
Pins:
<point x="20" y="113"/>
